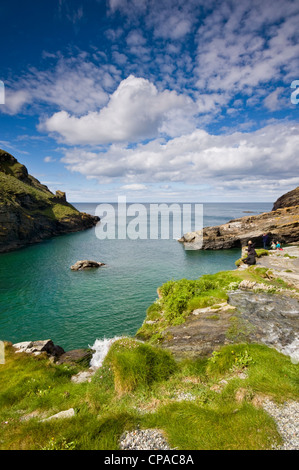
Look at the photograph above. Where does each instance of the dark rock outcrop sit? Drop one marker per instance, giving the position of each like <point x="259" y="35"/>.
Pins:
<point x="30" y="212"/>
<point x="281" y="224"/>
<point x="287" y="200"/>
<point x="76" y="357"/>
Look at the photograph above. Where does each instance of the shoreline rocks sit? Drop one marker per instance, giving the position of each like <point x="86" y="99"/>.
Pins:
<point x="280" y="224"/>
<point x="37" y="347"/>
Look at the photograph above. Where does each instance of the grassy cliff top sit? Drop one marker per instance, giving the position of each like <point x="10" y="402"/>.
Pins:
<point x="25" y="192"/>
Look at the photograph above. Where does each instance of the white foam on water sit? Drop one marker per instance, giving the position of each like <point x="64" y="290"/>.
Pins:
<point x="101" y="348"/>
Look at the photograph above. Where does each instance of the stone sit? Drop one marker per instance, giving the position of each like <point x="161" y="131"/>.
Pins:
<point x="37" y="347"/>
<point x="61" y="415"/>
<point x="83" y="376"/>
<point x="23" y="346"/>
<point x="76" y="357"/>
<point x="86" y="264"/>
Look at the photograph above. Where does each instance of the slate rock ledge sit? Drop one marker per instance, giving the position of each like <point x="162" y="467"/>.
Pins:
<point x="282" y="224"/>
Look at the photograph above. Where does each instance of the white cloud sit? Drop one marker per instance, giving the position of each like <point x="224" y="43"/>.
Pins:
<point x="252" y="161"/>
<point x="15" y="100"/>
<point x="135" y="111"/>
<point x="49" y="159"/>
<point x="134" y="187"/>
<point x="243" y="45"/>
<point x="74" y="84"/>
<point x="273" y="101"/>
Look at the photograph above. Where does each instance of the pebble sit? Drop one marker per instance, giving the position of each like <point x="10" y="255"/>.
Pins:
<point x="144" y="439"/>
<point x="286" y="417"/>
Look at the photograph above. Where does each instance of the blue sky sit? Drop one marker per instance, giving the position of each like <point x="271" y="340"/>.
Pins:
<point x="158" y="100"/>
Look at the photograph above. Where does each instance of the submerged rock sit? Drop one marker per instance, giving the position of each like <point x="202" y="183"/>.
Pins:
<point x="86" y="264"/>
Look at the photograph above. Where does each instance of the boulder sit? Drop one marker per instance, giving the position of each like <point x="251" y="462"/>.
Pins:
<point x="37" y="347"/>
<point x="86" y="264"/>
<point x="76" y="357"/>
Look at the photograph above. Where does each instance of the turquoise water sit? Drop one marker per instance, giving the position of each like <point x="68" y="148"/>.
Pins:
<point x="41" y="298"/>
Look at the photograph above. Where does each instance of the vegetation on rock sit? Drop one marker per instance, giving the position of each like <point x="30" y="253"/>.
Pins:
<point x="29" y="211"/>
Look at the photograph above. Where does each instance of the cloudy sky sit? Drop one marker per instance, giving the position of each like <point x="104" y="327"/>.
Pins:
<point x="158" y="100"/>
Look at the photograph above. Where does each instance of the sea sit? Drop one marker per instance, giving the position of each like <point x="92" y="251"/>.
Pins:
<point x="42" y="298"/>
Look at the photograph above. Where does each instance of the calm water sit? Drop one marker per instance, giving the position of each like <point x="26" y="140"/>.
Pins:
<point x="41" y="298"/>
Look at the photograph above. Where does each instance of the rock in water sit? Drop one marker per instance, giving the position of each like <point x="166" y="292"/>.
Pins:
<point x="86" y="264"/>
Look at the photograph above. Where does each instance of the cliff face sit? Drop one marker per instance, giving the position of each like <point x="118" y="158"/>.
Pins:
<point x="287" y="200"/>
<point x="281" y="224"/>
<point x="29" y="211"/>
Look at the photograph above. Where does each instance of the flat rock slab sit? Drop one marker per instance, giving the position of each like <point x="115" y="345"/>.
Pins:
<point x="83" y="376"/>
<point x="201" y="334"/>
<point x="274" y="317"/>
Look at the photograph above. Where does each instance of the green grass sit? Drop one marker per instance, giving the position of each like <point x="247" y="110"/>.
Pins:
<point x="136" y="365"/>
<point x="189" y="426"/>
<point x="138" y="386"/>
<point x="180" y="298"/>
<point x="13" y="189"/>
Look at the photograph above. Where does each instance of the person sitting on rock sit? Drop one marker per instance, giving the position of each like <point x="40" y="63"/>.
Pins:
<point x="278" y="246"/>
<point x="273" y="245"/>
<point x="251" y="254"/>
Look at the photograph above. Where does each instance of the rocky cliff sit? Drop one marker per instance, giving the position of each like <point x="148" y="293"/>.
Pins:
<point x="287" y="200"/>
<point x="29" y="211"/>
<point x="282" y="224"/>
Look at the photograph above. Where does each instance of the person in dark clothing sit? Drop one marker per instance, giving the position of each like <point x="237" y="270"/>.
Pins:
<point x="251" y="254"/>
<point x="265" y="240"/>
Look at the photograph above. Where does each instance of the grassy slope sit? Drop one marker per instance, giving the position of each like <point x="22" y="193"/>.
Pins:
<point x="12" y="188"/>
<point x="140" y="385"/>
<point x="125" y="393"/>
